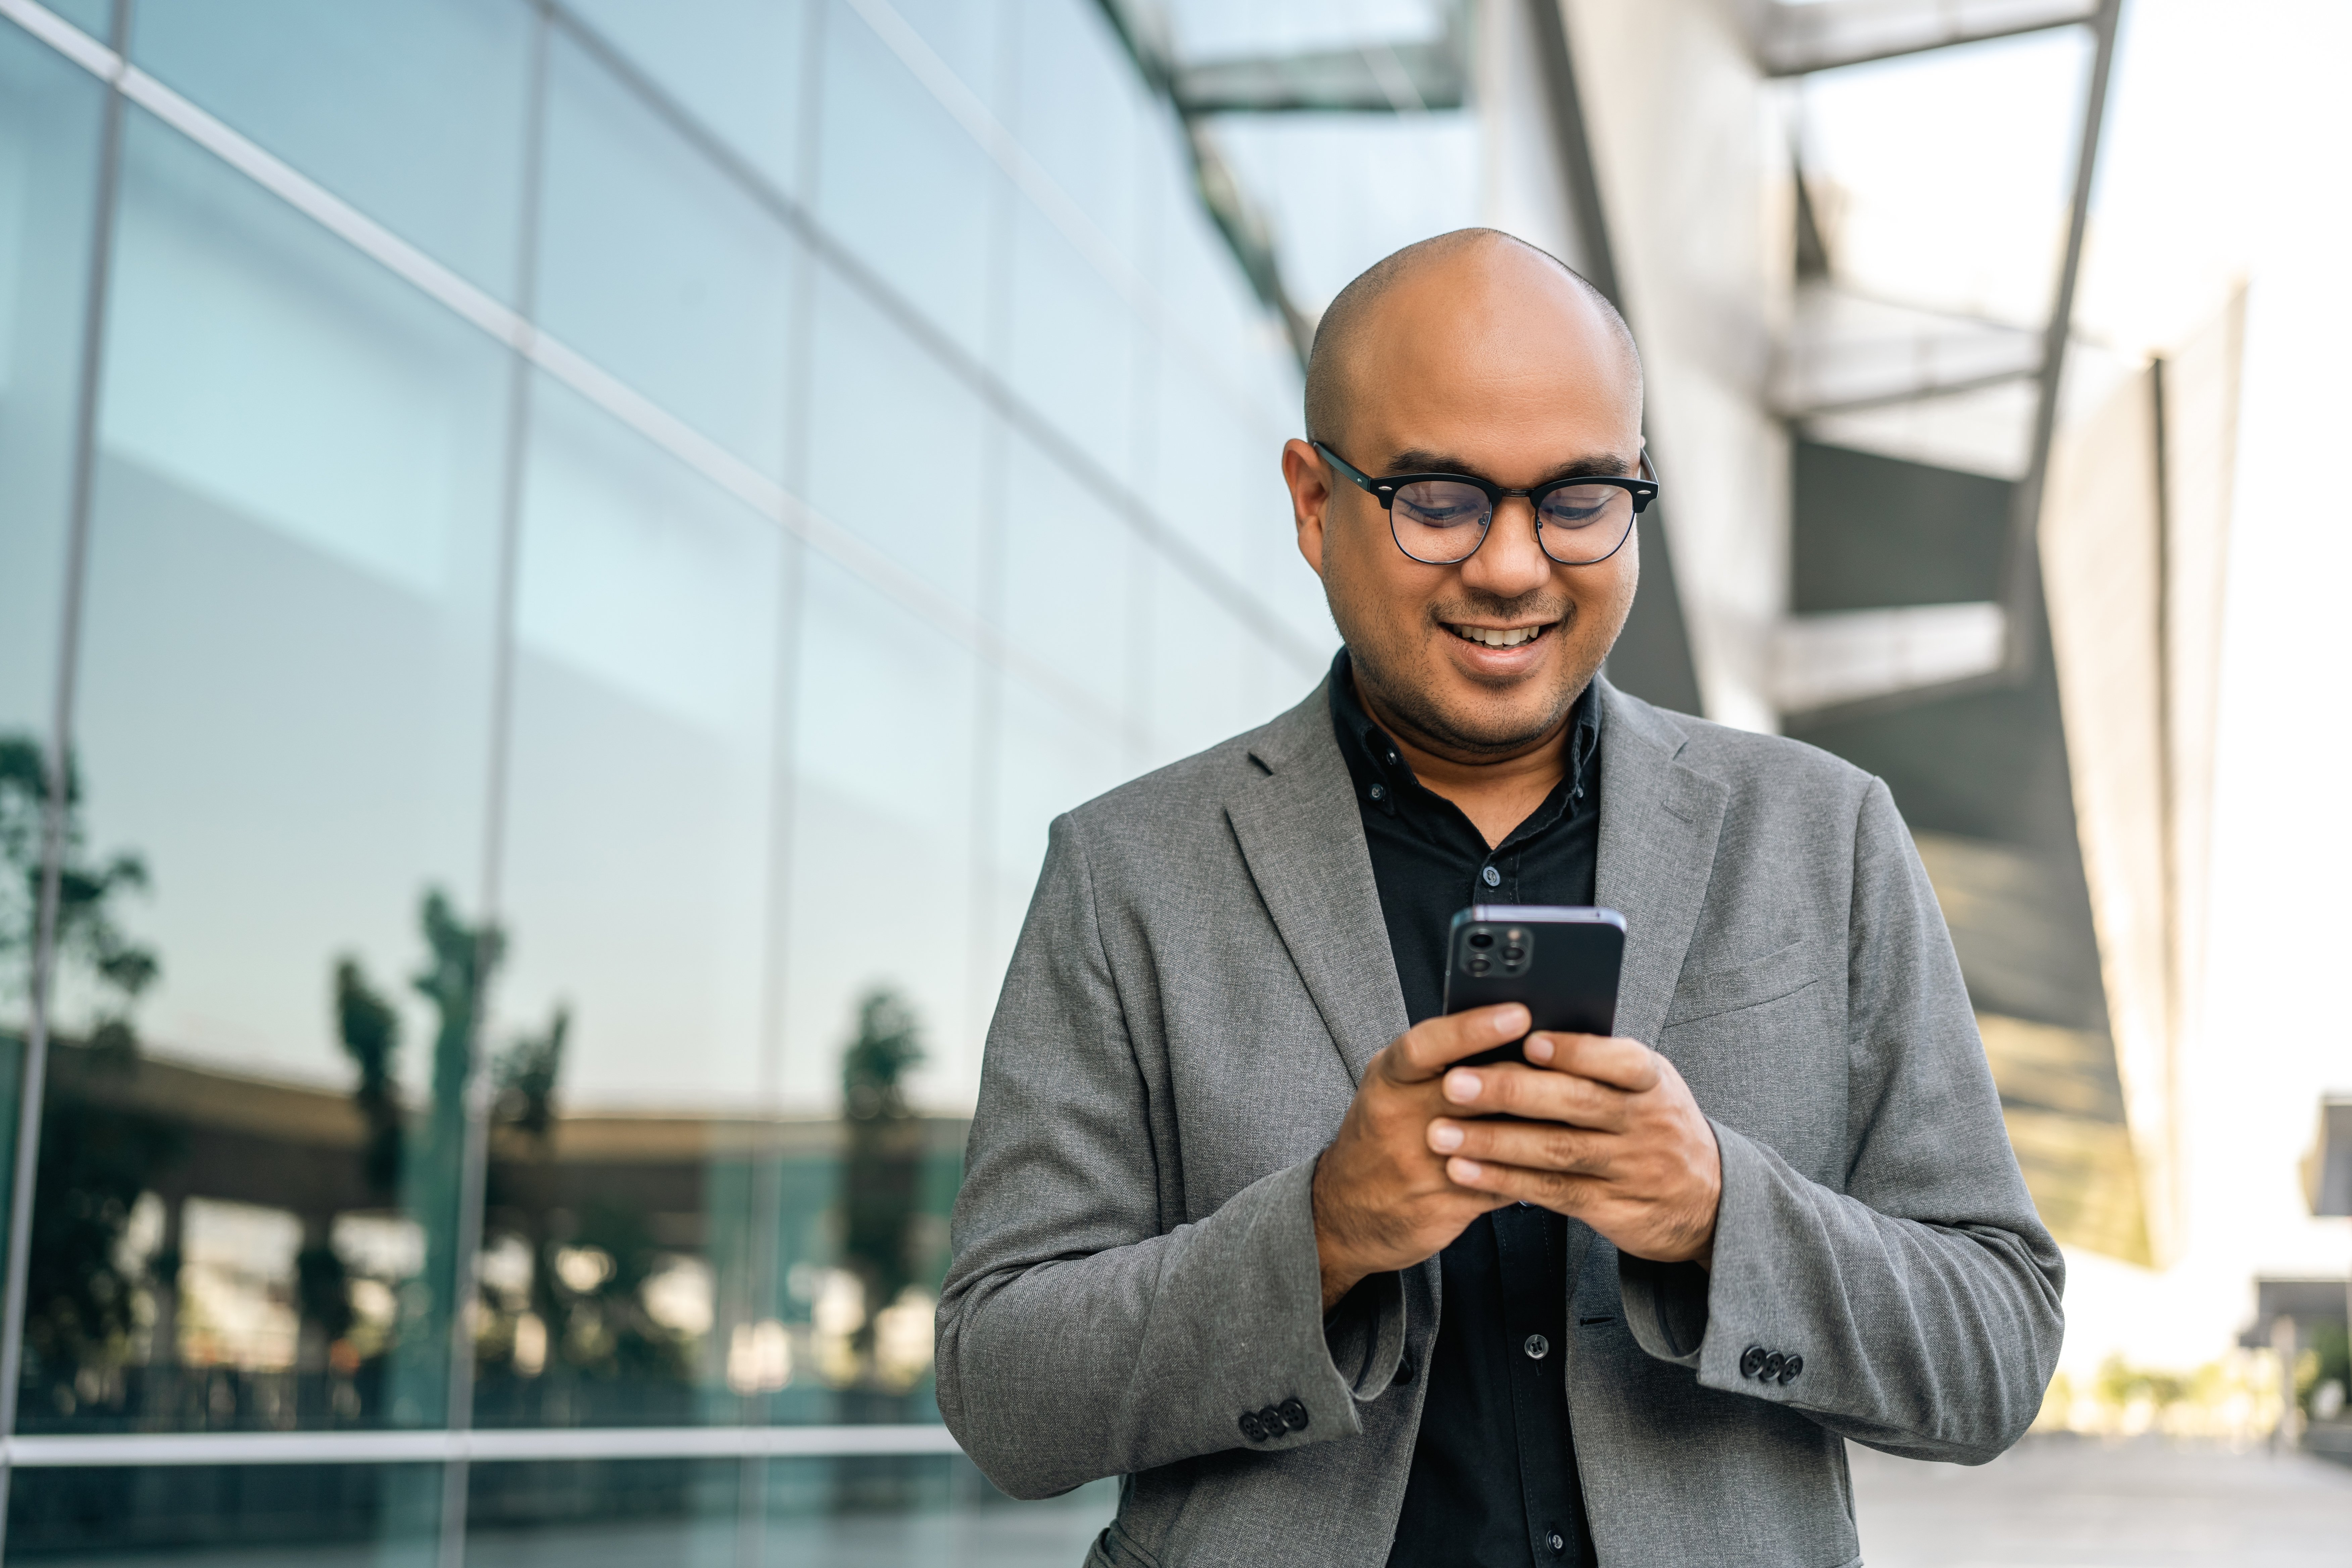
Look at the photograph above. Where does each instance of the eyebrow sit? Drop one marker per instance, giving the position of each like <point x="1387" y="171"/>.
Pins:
<point x="1416" y="461"/>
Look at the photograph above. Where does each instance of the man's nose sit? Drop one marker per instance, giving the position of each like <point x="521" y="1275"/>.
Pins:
<point x="1509" y="562"/>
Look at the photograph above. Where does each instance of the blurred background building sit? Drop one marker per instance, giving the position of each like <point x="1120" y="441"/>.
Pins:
<point x="557" y="557"/>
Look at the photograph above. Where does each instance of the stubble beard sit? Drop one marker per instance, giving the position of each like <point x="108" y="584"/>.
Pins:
<point x="1426" y="722"/>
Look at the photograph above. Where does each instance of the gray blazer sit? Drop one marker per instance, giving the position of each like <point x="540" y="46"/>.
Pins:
<point x="1202" y="976"/>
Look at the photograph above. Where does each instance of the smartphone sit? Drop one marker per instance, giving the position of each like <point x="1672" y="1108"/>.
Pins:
<point x="1560" y="962"/>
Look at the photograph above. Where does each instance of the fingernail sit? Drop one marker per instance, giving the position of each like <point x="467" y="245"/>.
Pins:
<point x="1463" y="1085"/>
<point x="1444" y="1137"/>
<point x="1539" y="1047"/>
<point x="1511" y="1021"/>
<point x="1464" y="1171"/>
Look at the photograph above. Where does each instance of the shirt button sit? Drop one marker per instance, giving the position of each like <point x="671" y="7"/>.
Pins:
<point x="1491" y="877"/>
<point x="1392" y="756"/>
<point x="1378" y="791"/>
<point x="1537" y="1347"/>
<point x="1557" y="1541"/>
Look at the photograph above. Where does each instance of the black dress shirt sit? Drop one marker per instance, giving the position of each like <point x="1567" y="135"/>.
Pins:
<point x="1494" y="1477"/>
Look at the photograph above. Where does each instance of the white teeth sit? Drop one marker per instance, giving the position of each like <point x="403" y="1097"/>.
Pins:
<point x="1498" y="637"/>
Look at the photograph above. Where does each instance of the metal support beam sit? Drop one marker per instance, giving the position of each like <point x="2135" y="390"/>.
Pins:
<point x="2021" y="575"/>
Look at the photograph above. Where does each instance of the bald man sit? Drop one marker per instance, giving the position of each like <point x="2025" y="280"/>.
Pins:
<point x="1236" y="1225"/>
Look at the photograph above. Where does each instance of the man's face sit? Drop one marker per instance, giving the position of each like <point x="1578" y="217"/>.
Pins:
<point x="1490" y="362"/>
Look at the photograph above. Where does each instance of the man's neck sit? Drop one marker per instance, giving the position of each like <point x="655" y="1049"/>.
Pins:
<point x="1496" y="794"/>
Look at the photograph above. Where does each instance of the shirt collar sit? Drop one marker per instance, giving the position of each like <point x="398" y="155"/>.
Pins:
<point x="1384" y="776"/>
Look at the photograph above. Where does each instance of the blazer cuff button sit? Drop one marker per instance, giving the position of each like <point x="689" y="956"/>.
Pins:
<point x="1251" y="1428"/>
<point x="1752" y="1361"/>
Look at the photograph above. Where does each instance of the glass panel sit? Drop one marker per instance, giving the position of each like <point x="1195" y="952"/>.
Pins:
<point x="852" y="1512"/>
<point x="1051" y="758"/>
<point x="735" y="65"/>
<point x="1072" y="350"/>
<point x="903" y="184"/>
<point x="49" y="124"/>
<point x="660" y="269"/>
<point x="895" y="445"/>
<point x="1081" y="115"/>
<point x="968" y="36"/>
<point x="627" y="1036"/>
<point x="95" y="17"/>
<point x="587" y="1514"/>
<point x="880" y="982"/>
<point x="229" y="1516"/>
<point x="1067" y="575"/>
<point x="1204" y="687"/>
<point x="412" y="111"/>
<point x="248" y="1176"/>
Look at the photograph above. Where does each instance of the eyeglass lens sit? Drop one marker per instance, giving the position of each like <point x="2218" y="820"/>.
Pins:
<point x="1440" y="522"/>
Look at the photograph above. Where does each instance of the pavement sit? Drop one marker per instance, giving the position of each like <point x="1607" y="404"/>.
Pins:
<point x="2062" y="1501"/>
<point x="2052" y="1502"/>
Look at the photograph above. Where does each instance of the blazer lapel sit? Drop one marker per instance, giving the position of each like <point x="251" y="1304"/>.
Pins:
<point x="1304" y="842"/>
<point x="1659" y="820"/>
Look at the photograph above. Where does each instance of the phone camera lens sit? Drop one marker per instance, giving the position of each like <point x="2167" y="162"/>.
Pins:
<point x="1479" y="964"/>
<point x="1513" y="954"/>
<point x="1482" y="939"/>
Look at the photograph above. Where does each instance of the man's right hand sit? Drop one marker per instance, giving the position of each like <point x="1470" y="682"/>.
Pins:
<point x="1383" y="1199"/>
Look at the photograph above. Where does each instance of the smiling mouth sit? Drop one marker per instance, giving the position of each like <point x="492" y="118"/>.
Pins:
<point x="1498" y="637"/>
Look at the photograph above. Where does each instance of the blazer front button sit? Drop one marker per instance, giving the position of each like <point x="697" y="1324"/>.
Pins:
<point x="1791" y="1367"/>
<point x="1294" y="1414"/>
<point x="1251" y="1428"/>
<point x="1752" y="1361"/>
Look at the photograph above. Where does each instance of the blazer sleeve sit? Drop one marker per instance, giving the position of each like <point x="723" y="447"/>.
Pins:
<point x="1079" y="1334"/>
<point x="1923" y="1295"/>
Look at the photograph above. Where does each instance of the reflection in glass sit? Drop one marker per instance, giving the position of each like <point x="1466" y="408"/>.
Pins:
<point x="229" y="1516"/>
<point x="902" y="183"/>
<point x="49" y="134"/>
<point x="412" y="111"/>
<point x="883" y="836"/>
<point x="895" y="445"/>
<point x="617" y="1265"/>
<point x="49" y="118"/>
<point x="284" y="715"/>
<point x="658" y="266"/>
<point x="735" y="65"/>
<point x="680" y="1513"/>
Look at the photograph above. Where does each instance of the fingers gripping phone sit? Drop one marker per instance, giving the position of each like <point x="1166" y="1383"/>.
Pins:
<point x="1560" y="962"/>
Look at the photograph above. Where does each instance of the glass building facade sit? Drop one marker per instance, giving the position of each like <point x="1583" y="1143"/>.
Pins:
<point x="556" y="560"/>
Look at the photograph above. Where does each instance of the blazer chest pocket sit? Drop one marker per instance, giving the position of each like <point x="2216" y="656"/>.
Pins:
<point x="1780" y="973"/>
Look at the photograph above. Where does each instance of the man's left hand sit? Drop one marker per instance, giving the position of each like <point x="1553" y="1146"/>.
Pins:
<point x="1609" y="1134"/>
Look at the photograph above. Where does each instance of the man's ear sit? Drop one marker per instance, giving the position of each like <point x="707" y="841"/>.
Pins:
<point x="1310" y="480"/>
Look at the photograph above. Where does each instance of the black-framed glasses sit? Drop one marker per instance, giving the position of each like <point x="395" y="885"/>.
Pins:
<point x="1440" y="519"/>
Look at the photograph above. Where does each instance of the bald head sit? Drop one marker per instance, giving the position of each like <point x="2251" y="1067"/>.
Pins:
<point x="1482" y="272"/>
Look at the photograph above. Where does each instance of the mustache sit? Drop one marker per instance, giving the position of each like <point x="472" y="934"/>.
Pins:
<point x="1528" y="607"/>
